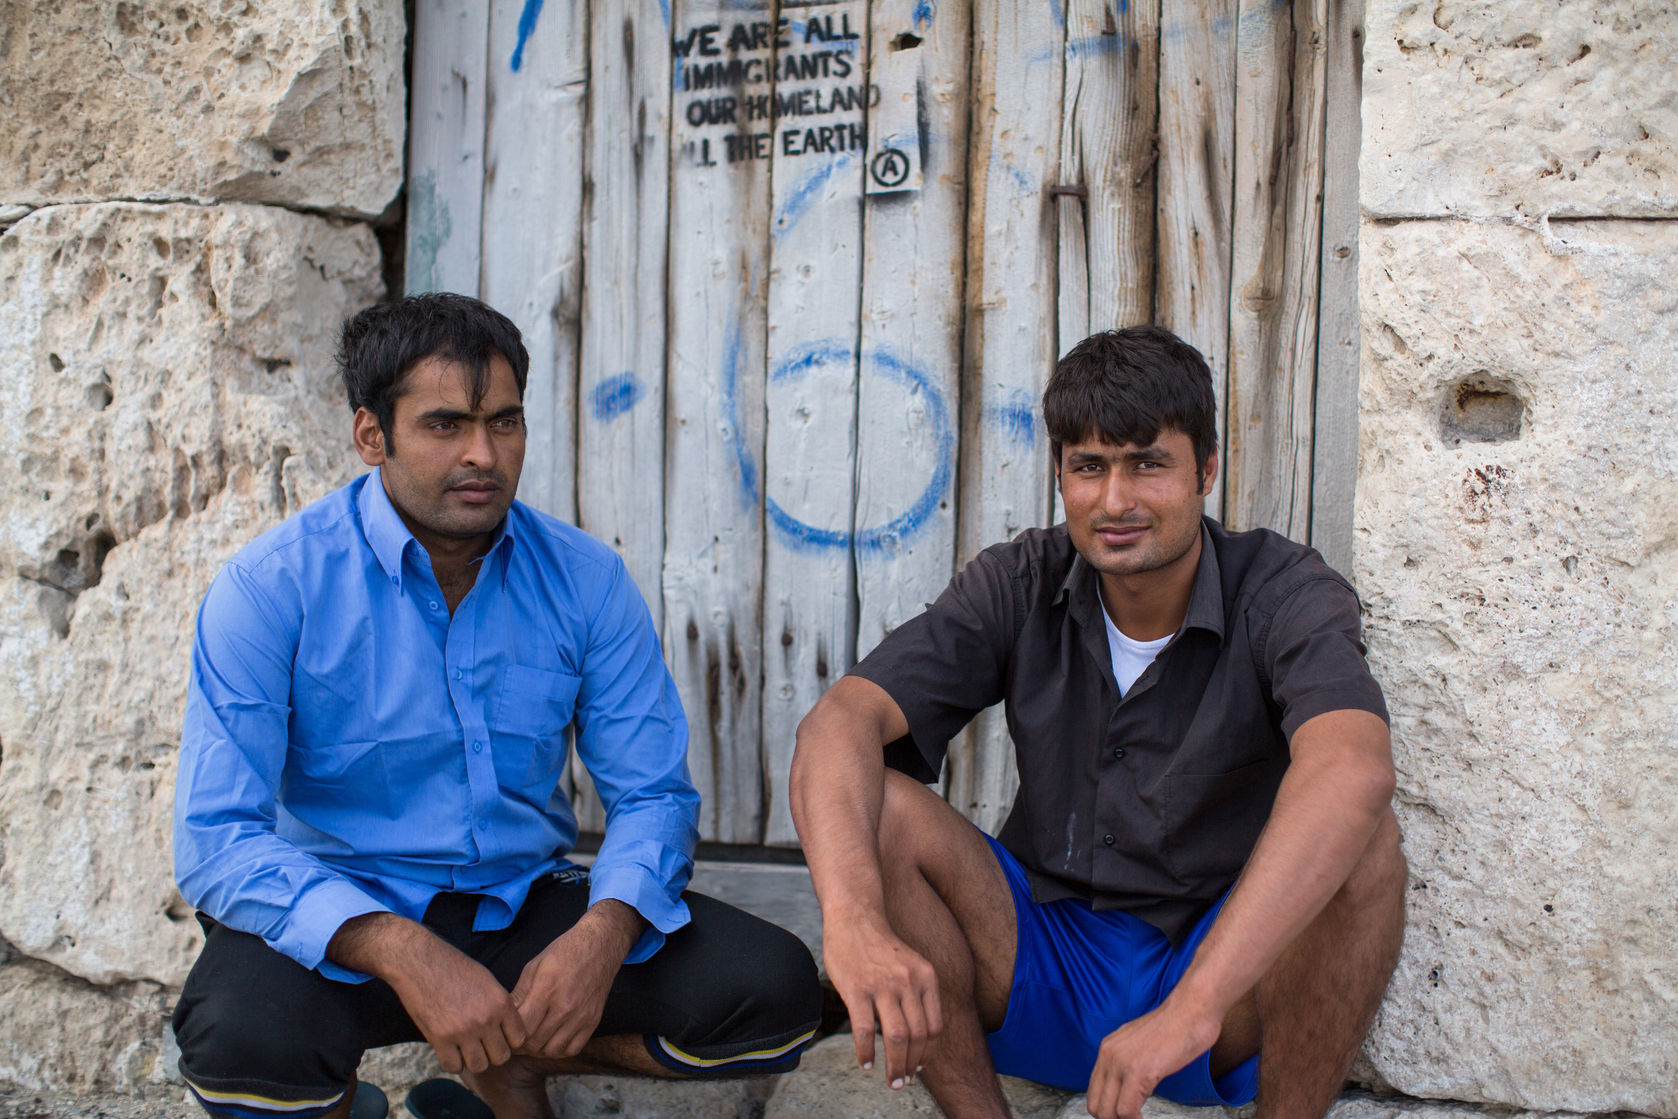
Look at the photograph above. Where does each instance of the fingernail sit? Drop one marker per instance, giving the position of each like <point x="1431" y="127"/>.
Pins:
<point x="868" y="1066"/>
<point x="898" y="1083"/>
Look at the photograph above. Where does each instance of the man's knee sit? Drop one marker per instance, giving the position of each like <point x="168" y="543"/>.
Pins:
<point x="238" y="1060"/>
<point x="1378" y="877"/>
<point x="910" y="818"/>
<point x="259" y="1032"/>
<point x="744" y="997"/>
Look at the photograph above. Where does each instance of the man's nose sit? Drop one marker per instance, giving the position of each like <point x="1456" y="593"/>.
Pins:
<point x="1117" y="496"/>
<point x="480" y="447"/>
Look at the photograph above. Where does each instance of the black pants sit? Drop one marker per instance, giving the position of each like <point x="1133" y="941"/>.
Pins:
<point x="728" y="994"/>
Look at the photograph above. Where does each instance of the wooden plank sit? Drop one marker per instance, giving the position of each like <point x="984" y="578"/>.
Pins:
<point x="446" y="146"/>
<point x="1277" y="234"/>
<point x="1196" y="168"/>
<point x="1335" y="448"/>
<point x="620" y="438"/>
<point x="713" y="558"/>
<point x="532" y="234"/>
<point x="815" y="274"/>
<point x="911" y="319"/>
<point x="1108" y="149"/>
<point x="1010" y="342"/>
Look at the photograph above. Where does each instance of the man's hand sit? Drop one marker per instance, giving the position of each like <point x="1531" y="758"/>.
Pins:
<point x="1134" y="1058"/>
<point x="468" y="1018"/>
<point x="881" y="978"/>
<point x="562" y="992"/>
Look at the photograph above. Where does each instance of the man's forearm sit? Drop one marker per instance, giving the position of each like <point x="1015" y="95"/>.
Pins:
<point x="837" y="789"/>
<point x="1325" y="815"/>
<point x="613" y="927"/>
<point x="384" y="945"/>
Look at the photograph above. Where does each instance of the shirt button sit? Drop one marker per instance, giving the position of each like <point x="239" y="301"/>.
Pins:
<point x="434" y="606"/>
<point x="477" y="747"/>
<point x="1118" y="751"/>
<point x="483" y="823"/>
<point x="1108" y="839"/>
<point x="457" y="674"/>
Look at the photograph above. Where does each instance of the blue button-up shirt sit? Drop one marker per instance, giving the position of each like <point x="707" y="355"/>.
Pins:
<point x="350" y="748"/>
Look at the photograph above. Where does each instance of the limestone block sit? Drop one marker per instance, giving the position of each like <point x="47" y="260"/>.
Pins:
<point x="1517" y="550"/>
<point x="169" y="393"/>
<point x="829" y="1085"/>
<point x="298" y="104"/>
<point x="1360" y="1106"/>
<point x="1567" y="108"/>
<point x="61" y="1033"/>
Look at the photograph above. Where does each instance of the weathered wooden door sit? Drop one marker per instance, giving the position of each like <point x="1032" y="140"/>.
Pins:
<point x="793" y="275"/>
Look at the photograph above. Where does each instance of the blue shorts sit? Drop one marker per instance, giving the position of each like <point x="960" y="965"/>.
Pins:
<point x="1081" y="974"/>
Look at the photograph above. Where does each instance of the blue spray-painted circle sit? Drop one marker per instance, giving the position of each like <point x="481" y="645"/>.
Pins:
<point x="801" y="534"/>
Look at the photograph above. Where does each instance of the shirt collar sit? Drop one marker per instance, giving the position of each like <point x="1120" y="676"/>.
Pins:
<point x="382" y="525"/>
<point x="1206" y="599"/>
<point x="389" y="537"/>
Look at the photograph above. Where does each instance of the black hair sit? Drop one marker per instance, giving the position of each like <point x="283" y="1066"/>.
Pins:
<point x="1126" y="386"/>
<point x="380" y="344"/>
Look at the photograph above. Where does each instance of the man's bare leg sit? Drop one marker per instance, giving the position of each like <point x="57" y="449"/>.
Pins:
<point x="519" y="1088"/>
<point x="948" y="899"/>
<point x="1315" y="1004"/>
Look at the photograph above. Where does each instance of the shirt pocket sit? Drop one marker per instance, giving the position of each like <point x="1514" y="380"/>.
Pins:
<point x="535" y="707"/>
<point x="1212" y="820"/>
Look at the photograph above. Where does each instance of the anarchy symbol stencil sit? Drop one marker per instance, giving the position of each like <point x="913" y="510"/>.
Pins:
<point x="889" y="167"/>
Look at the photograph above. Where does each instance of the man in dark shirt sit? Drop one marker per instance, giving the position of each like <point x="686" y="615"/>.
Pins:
<point x="1201" y="864"/>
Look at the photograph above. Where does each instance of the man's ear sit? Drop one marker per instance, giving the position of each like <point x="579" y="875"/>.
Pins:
<point x="1209" y="474"/>
<point x="369" y="438"/>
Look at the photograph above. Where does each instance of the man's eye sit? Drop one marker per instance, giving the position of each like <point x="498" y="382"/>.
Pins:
<point x="508" y="423"/>
<point x="443" y="426"/>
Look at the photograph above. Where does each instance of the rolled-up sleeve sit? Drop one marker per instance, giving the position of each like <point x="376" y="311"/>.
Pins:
<point x="229" y="861"/>
<point x="633" y="738"/>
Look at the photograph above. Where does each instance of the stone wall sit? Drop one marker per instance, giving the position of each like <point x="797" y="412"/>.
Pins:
<point x="169" y="392"/>
<point x="1517" y="541"/>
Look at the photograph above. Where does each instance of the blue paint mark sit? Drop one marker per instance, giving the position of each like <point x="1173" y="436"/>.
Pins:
<point x="1058" y="10"/>
<point x="731" y="409"/>
<point x="877" y="540"/>
<point x="527" y="25"/>
<point x="664" y="10"/>
<point x="1094" y="45"/>
<point x="1015" y="416"/>
<point x="881" y="538"/>
<point x="925" y="11"/>
<point x="799" y="200"/>
<point x="616" y="395"/>
<point x="1023" y="182"/>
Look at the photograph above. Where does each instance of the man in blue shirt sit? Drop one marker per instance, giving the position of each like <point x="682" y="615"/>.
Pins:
<point x="369" y="813"/>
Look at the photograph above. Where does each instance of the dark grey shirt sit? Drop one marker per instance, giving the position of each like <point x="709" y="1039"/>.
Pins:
<point x="1150" y="803"/>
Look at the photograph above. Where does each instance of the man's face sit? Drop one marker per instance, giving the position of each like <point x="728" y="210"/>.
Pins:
<point x="1133" y="509"/>
<point x="451" y="469"/>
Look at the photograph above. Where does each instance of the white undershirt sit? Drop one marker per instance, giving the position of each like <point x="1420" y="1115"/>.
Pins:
<point x="1130" y="657"/>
